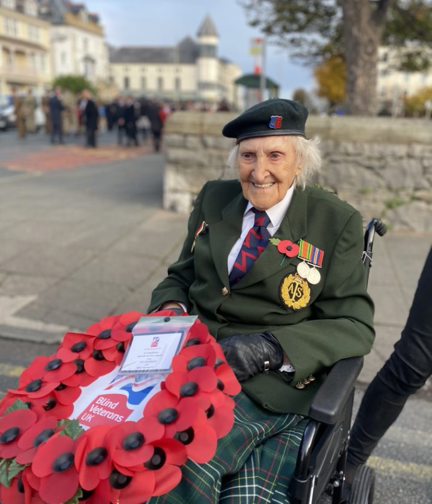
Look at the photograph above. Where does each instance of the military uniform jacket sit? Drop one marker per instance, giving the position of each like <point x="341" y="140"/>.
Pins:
<point x="335" y="324"/>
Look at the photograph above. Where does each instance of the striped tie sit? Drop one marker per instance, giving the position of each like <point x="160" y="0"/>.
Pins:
<point x="253" y="246"/>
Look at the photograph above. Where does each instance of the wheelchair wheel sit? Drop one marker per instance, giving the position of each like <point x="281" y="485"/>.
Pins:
<point x="363" y="486"/>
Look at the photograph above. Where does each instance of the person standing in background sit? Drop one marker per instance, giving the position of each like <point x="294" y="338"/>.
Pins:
<point x="91" y="118"/>
<point x="56" y="108"/>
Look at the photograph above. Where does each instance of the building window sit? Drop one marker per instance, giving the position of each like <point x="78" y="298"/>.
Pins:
<point x="10" y="4"/>
<point x="160" y="83"/>
<point x="143" y="83"/>
<point x="34" y="33"/>
<point x="177" y="84"/>
<point x="126" y="83"/>
<point x="11" y="26"/>
<point x="85" y="44"/>
<point x="30" y="8"/>
<point x="63" y="58"/>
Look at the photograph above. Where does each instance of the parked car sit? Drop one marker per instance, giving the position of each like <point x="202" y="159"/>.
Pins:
<point x="7" y="113"/>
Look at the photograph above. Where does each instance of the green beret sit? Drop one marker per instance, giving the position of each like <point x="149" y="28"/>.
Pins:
<point x="268" y="118"/>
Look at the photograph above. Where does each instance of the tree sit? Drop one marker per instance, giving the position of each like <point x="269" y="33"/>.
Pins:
<point x="331" y="78"/>
<point x="73" y="83"/>
<point x="316" y="30"/>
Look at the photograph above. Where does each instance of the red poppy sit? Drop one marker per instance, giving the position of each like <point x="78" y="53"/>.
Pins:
<point x="50" y="369"/>
<point x="97" y="365"/>
<point x="227" y="380"/>
<point x="12" y="427"/>
<point x="169" y="455"/>
<point x="80" y="378"/>
<point x="75" y="346"/>
<point x="288" y="248"/>
<point x="174" y="415"/>
<point x="132" y="489"/>
<point x="194" y="356"/>
<point x="101" y="494"/>
<point x="198" y="334"/>
<point x="66" y="395"/>
<point x="9" y="400"/>
<point x="115" y="353"/>
<point x="38" y="434"/>
<point x="219" y="409"/>
<point x="54" y="465"/>
<point x="122" y="329"/>
<point x="92" y="457"/>
<point x="102" y="332"/>
<point x="190" y="384"/>
<point x="49" y="405"/>
<point x="128" y="443"/>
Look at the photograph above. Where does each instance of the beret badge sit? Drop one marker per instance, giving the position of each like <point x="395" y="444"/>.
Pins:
<point x="275" y="122"/>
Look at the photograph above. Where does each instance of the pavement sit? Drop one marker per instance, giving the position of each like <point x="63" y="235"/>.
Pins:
<point x="84" y="236"/>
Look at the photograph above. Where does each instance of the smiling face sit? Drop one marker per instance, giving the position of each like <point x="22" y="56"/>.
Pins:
<point x="267" y="168"/>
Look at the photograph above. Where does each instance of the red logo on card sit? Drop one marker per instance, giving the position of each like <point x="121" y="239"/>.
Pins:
<point x="155" y="342"/>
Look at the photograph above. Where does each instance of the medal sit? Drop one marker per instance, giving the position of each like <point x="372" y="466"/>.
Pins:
<point x="314" y="276"/>
<point x="303" y="270"/>
<point x="295" y="292"/>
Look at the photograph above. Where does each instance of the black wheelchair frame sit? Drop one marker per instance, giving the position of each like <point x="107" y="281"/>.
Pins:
<point x="321" y="462"/>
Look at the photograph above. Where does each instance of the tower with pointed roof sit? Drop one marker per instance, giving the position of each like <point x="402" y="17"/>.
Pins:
<point x="208" y="62"/>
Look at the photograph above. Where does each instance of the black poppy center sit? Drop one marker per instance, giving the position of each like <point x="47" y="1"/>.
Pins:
<point x="105" y="334"/>
<point x="54" y="365"/>
<point x="96" y="456"/>
<point x="133" y="441"/>
<point x="210" y="412"/>
<point x="119" y="480"/>
<point x="9" y="435"/>
<point x="220" y="385"/>
<point x="120" y="347"/>
<point x="34" y="386"/>
<point x="186" y="437"/>
<point x="79" y="347"/>
<point x="196" y="362"/>
<point x="157" y="461"/>
<point x="61" y="387"/>
<point x="131" y="326"/>
<point x="219" y="362"/>
<point x="188" y="389"/>
<point x="193" y="342"/>
<point x="168" y="416"/>
<point x="20" y="485"/>
<point x="98" y="355"/>
<point x="63" y="463"/>
<point x="80" y="366"/>
<point x="43" y="436"/>
<point x="50" y="404"/>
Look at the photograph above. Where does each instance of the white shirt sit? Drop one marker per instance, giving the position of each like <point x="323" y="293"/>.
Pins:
<point x="276" y="214"/>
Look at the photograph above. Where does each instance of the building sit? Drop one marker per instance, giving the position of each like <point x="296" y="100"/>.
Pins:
<point x="395" y="84"/>
<point x="189" y="71"/>
<point x="78" y="44"/>
<point x="24" y="48"/>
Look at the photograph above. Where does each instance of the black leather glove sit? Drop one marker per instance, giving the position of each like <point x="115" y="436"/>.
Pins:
<point x="247" y="353"/>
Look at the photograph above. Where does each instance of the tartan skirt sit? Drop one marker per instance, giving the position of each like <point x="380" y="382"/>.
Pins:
<point x="253" y="464"/>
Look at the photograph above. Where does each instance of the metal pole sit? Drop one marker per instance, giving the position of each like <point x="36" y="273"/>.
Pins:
<point x="263" y="70"/>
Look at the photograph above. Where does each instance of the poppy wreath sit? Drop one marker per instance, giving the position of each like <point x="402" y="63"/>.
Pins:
<point x="47" y="458"/>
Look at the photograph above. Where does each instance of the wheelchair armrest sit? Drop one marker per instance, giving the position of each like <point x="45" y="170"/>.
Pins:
<point x="331" y="397"/>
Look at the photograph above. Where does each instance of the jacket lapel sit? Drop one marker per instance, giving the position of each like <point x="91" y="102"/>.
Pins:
<point x="271" y="261"/>
<point x="224" y="233"/>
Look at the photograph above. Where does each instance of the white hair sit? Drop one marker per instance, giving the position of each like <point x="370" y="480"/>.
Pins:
<point x="308" y="159"/>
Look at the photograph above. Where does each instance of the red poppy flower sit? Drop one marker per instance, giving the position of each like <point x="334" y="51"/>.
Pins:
<point x="19" y="492"/>
<point x="115" y="353"/>
<point x="169" y="455"/>
<point x="128" y="443"/>
<point x="97" y="365"/>
<point x="122" y="329"/>
<point x="80" y="378"/>
<point x="132" y="489"/>
<point x="198" y="334"/>
<point x="219" y="409"/>
<point x="50" y="369"/>
<point x="190" y="384"/>
<point x="194" y="356"/>
<point x="66" y="395"/>
<point x="227" y="380"/>
<point x="31" y="440"/>
<point x="54" y="465"/>
<point x="174" y="415"/>
<point x="102" y="493"/>
<point x="75" y="346"/>
<point x="288" y="248"/>
<point x="92" y="457"/>
<point x="49" y="405"/>
<point x="9" y="400"/>
<point x="102" y="332"/>
<point x="12" y="427"/>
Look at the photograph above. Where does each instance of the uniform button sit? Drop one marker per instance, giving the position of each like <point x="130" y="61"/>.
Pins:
<point x="225" y="291"/>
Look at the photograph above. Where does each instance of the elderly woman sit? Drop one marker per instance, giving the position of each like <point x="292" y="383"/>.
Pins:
<point x="273" y="267"/>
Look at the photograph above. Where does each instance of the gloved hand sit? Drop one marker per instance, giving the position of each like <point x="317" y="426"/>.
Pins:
<point x="246" y="353"/>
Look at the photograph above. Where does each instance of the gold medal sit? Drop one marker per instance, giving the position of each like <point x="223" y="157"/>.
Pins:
<point x="295" y="292"/>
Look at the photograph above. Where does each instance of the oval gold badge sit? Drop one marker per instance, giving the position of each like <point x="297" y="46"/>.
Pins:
<point x="295" y="292"/>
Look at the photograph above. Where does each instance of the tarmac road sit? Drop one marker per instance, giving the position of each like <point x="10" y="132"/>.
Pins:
<point x="84" y="237"/>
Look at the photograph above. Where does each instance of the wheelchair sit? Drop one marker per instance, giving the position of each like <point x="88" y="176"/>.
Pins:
<point x="320" y="468"/>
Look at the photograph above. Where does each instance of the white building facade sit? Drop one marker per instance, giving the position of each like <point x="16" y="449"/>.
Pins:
<point x="189" y="71"/>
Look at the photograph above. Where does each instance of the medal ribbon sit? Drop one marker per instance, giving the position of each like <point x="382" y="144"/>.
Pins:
<point x="310" y="253"/>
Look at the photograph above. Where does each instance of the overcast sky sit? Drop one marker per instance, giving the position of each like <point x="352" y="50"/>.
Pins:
<point x="166" y="22"/>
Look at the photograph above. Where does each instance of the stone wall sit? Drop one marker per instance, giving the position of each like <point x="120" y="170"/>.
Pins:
<point x="382" y="166"/>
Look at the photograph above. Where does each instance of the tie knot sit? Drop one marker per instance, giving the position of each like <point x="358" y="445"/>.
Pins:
<point x="261" y="218"/>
